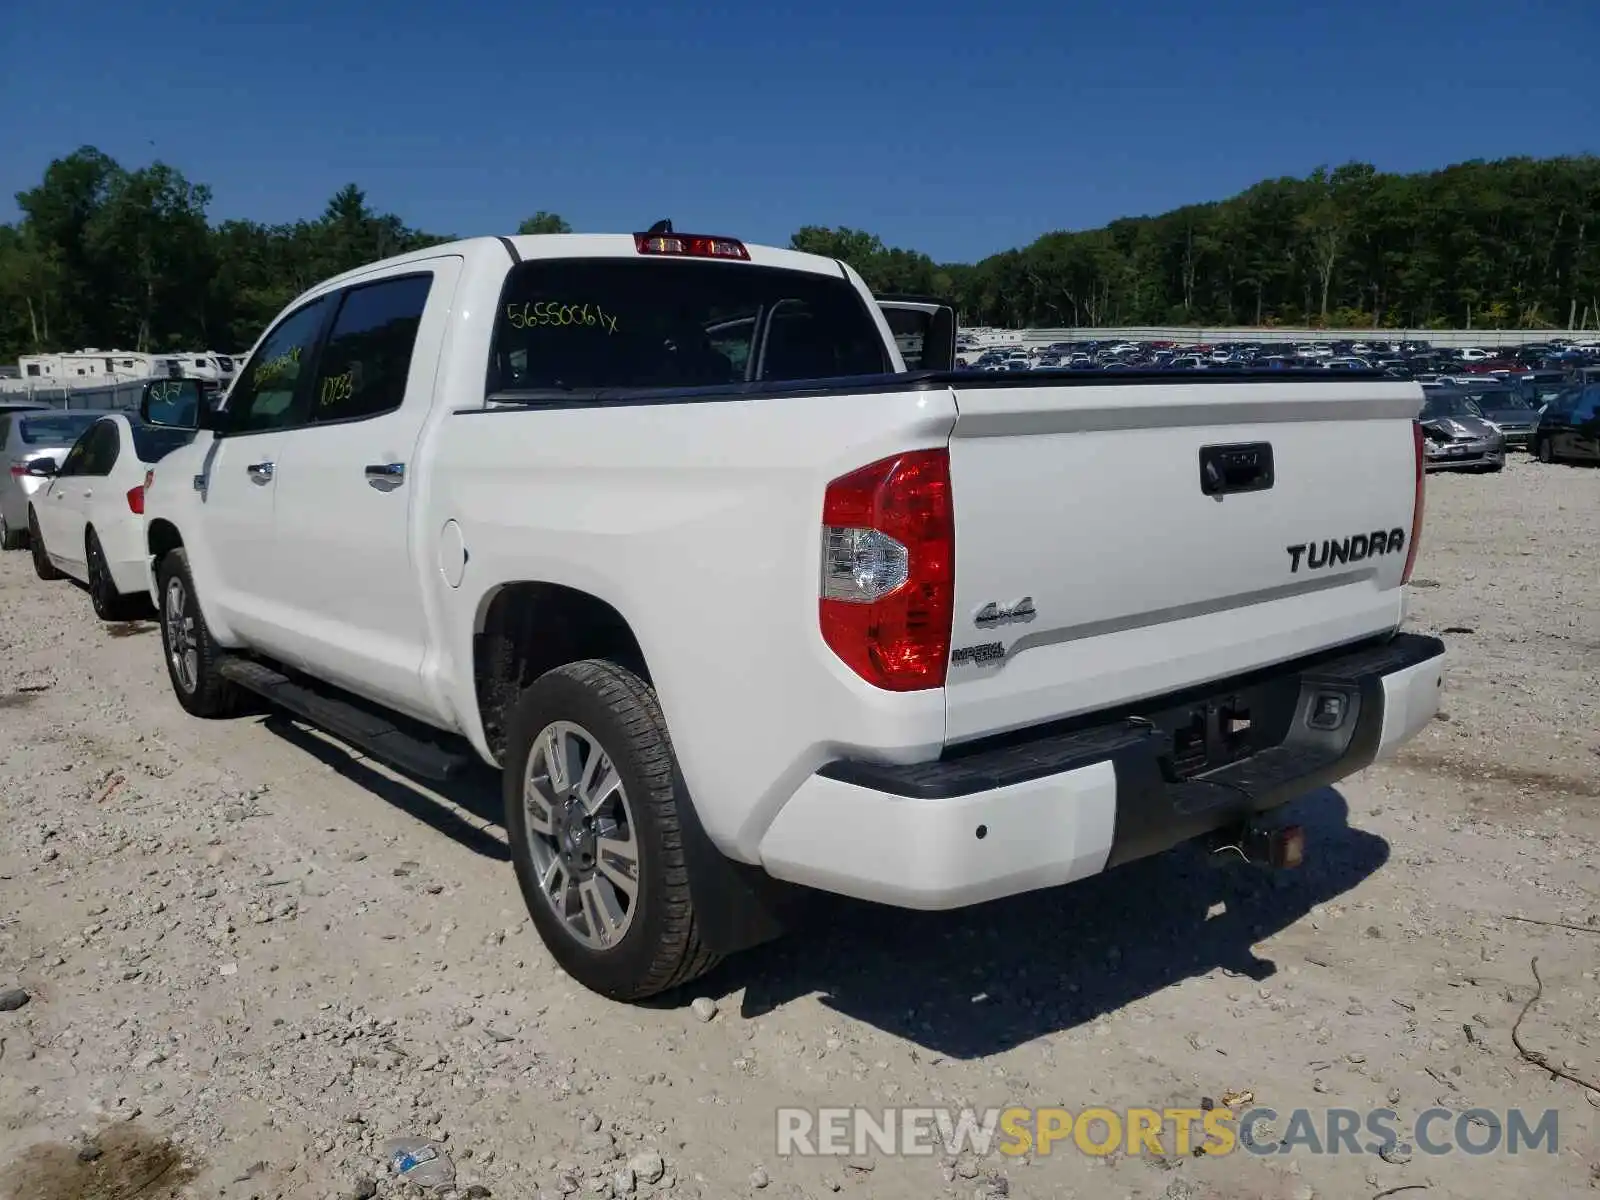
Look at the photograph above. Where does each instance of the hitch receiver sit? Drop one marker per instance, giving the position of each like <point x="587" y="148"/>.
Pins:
<point x="1281" y="847"/>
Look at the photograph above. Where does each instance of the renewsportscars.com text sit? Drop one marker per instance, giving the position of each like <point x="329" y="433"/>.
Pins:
<point x="846" y="1132"/>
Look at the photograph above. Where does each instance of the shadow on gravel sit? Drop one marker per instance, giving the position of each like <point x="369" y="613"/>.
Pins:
<point x="123" y="629"/>
<point x="479" y="794"/>
<point x="123" y="1162"/>
<point x="980" y="981"/>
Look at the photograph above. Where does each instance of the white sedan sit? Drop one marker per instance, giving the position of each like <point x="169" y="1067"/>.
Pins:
<point x="88" y="521"/>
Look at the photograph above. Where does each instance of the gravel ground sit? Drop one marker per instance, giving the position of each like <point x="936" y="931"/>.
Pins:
<point x="250" y="958"/>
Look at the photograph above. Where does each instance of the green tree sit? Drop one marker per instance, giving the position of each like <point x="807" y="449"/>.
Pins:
<point x="106" y="256"/>
<point x="544" y="222"/>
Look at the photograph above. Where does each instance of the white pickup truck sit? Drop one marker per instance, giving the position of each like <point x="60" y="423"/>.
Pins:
<point x="659" y="526"/>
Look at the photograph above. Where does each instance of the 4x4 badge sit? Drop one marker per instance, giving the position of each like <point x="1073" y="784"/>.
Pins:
<point x="992" y="614"/>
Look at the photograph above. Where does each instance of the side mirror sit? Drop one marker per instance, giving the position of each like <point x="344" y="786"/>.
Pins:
<point x="172" y="404"/>
<point x="43" y="468"/>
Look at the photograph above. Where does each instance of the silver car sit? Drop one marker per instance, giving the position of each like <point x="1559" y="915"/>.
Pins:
<point x="1456" y="434"/>
<point x="29" y="436"/>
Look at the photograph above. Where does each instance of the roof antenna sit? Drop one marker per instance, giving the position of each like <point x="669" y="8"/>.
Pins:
<point x="660" y="227"/>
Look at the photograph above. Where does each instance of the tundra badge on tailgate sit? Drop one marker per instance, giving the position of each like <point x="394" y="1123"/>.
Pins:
<point x="1330" y="553"/>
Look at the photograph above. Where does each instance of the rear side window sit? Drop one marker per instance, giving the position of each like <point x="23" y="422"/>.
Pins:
<point x="570" y="324"/>
<point x="363" y="368"/>
<point x="152" y="443"/>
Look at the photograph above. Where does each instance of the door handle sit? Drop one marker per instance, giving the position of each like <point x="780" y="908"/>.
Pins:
<point x="386" y="474"/>
<point x="260" y="472"/>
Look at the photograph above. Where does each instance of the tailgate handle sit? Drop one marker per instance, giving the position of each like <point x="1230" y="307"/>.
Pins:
<point x="1244" y="467"/>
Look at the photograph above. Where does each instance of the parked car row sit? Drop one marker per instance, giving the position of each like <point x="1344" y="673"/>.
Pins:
<point x="1405" y="360"/>
<point x="74" y="494"/>
<point x="1470" y="424"/>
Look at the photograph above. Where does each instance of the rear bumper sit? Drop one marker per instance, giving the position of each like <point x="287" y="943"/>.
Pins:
<point x="1053" y="806"/>
<point x="126" y="556"/>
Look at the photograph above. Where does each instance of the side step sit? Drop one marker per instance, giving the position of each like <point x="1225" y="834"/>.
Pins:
<point x="414" y="748"/>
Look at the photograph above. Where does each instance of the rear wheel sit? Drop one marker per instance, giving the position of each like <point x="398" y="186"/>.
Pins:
<point x="191" y="652"/>
<point x="42" y="566"/>
<point x="109" y="604"/>
<point x="1546" y="454"/>
<point x="11" y="539"/>
<point x="593" y="822"/>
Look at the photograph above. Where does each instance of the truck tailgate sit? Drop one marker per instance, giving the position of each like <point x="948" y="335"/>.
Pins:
<point x="1093" y="569"/>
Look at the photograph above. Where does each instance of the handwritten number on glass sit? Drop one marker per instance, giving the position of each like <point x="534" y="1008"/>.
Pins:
<point x="542" y="313"/>
<point x="337" y="388"/>
<point x="272" y="368"/>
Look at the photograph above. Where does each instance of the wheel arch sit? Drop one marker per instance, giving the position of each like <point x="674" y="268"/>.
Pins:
<point x="161" y="538"/>
<point x="526" y="628"/>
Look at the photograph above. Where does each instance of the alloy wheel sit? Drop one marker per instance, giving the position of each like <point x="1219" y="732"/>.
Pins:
<point x="182" y="650"/>
<point x="581" y="834"/>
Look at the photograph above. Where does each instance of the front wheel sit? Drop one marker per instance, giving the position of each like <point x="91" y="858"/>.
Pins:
<point x="594" y="826"/>
<point x="192" y="654"/>
<point x="42" y="566"/>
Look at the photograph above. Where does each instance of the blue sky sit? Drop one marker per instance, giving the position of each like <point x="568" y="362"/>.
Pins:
<point x="958" y="130"/>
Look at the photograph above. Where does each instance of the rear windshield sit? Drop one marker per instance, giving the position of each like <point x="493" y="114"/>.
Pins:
<point x="152" y="443"/>
<point x="568" y="324"/>
<point x="56" y="429"/>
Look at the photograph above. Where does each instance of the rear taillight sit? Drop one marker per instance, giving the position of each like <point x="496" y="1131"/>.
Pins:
<point x="18" y="470"/>
<point x="690" y="245"/>
<point x="888" y="570"/>
<point x="136" y="500"/>
<point x="1417" y="502"/>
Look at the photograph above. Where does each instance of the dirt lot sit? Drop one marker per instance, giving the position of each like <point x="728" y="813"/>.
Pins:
<point x="252" y="958"/>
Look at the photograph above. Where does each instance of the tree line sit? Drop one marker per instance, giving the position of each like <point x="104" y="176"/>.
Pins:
<point x="111" y="257"/>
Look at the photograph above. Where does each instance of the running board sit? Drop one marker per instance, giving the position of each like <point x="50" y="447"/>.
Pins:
<point x="355" y="721"/>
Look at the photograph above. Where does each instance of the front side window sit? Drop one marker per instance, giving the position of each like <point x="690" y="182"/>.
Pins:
<point x="265" y="396"/>
<point x="363" y="367"/>
<point x="100" y="448"/>
<point x="602" y="323"/>
<point x="72" y="464"/>
<point x="1588" y="406"/>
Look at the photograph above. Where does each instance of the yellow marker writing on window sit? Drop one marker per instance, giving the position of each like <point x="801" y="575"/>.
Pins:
<point x="337" y="388"/>
<point x="546" y="313"/>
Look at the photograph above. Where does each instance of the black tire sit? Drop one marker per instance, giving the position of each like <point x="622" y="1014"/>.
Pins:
<point x="208" y="694"/>
<point x="42" y="566"/>
<point x="109" y="604"/>
<point x="1545" y="452"/>
<point x="12" y="539"/>
<point x="660" y="947"/>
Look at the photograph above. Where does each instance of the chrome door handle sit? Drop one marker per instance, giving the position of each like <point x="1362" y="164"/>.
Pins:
<point x="260" y="472"/>
<point x="386" y="474"/>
